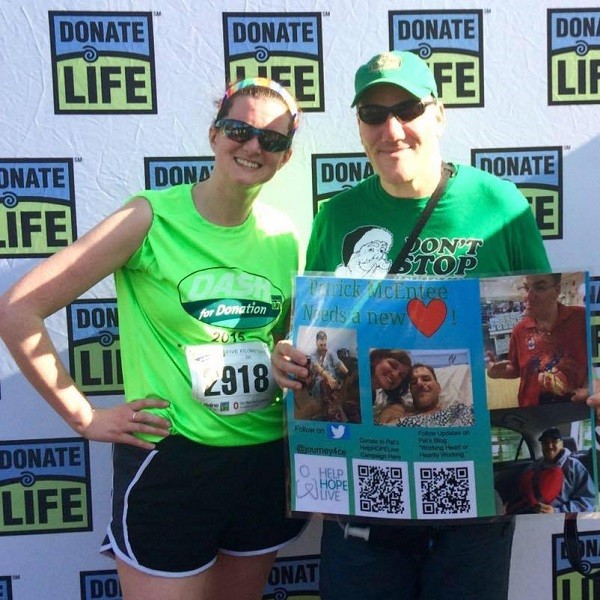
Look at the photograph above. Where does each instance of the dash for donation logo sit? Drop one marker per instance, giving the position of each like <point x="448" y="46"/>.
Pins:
<point x="37" y="206"/>
<point x="574" y="56"/>
<point x="100" y="585"/>
<point x="451" y="42"/>
<point x="45" y="486"/>
<point x="94" y="346"/>
<point x="296" y="578"/>
<point x="285" y="47"/>
<point x="569" y="584"/>
<point x="537" y="172"/>
<point x="230" y="298"/>
<point x="102" y="62"/>
<point x="334" y="173"/>
<point x="5" y="588"/>
<point x="162" y="173"/>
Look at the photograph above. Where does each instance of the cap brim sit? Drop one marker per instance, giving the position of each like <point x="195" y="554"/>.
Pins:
<point x="416" y="91"/>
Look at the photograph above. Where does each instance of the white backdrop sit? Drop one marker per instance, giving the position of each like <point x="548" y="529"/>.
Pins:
<point x="157" y="112"/>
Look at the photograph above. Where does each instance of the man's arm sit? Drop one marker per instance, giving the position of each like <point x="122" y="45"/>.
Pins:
<point x="581" y="495"/>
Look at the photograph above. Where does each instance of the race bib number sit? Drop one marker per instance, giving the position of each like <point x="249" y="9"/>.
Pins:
<point x="231" y="379"/>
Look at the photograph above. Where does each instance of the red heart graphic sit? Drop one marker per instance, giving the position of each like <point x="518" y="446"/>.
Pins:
<point x="427" y="318"/>
<point x="550" y="482"/>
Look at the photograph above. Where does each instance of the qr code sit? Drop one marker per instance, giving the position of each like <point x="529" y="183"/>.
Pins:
<point x="445" y="490"/>
<point x="381" y="488"/>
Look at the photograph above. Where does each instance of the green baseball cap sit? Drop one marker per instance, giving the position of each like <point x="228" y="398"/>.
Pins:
<point x="401" y="68"/>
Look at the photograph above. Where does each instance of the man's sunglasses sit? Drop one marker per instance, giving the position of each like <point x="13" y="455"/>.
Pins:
<point x="376" y="114"/>
<point x="241" y="132"/>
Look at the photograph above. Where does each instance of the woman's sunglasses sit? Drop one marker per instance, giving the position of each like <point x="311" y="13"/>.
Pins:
<point x="241" y="132"/>
<point x="376" y="114"/>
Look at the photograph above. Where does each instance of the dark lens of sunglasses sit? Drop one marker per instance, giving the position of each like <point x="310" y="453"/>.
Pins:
<point x="375" y="114"/>
<point x="273" y="141"/>
<point x="238" y="131"/>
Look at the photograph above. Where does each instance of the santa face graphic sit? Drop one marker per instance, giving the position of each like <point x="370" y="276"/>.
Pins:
<point x="365" y="253"/>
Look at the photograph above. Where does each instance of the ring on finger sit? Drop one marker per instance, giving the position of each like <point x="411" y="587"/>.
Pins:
<point x="133" y="416"/>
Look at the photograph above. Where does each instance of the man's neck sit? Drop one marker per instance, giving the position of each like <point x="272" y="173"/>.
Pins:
<point x="547" y="319"/>
<point x="421" y="186"/>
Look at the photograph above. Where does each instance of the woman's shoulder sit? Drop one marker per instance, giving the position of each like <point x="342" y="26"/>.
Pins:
<point x="171" y="199"/>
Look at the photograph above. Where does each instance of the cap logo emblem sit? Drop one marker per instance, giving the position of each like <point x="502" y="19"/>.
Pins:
<point x="385" y="62"/>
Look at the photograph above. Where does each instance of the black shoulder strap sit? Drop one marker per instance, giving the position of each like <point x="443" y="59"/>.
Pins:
<point x="447" y="172"/>
<point x="574" y="550"/>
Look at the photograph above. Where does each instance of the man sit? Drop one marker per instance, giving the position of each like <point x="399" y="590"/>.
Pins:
<point x="325" y="366"/>
<point x="481" y="225"/>
<point x="573" y="490"/>
<point x="428" y="409"/>
<point x="323" y="383"/>
<point x="548" y="347"/>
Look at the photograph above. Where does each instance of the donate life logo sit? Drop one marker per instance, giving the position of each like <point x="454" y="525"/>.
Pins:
<point x="285" y="47"/>
<point x="162" y="173"/>
<point x="595" y="319"/>
<point x="5" y="588"/>
<point x="573" y="56"/>
<point x="334" y="173"/>
<point x="568" y="584"/>
<point x="45" y="486"/>
<point x="94" y="347"/>
<point x="102" y="62"/>
<point x="37" y="206"/>
<point x="537" y="172"/>
<point x="99" y="585"/>
<point x="451" y="42"/>
<point x="296" y="578"/>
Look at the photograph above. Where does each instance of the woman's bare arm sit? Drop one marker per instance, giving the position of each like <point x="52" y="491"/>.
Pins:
<point x="48" y="288"/>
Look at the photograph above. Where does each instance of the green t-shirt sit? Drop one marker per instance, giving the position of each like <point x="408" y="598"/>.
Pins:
<point x="198" y="306"/>
<point x="482" y="226"/>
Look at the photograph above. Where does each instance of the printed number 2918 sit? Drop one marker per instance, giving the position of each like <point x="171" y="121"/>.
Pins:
<point x="239" y="381"/>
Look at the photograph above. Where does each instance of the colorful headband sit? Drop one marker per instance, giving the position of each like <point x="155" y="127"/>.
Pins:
<point x="268" y="83"/>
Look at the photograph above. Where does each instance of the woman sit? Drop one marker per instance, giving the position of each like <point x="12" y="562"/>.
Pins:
<point x="390" y="376"/>
<point x="198" y="499"/>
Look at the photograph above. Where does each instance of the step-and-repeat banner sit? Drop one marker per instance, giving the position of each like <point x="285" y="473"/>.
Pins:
<point x="100" y="100"/>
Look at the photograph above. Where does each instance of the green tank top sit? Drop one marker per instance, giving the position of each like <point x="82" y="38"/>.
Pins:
<point x="198" y="307"/>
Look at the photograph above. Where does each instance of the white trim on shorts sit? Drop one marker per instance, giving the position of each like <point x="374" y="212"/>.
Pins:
<point x="112" y="548"/>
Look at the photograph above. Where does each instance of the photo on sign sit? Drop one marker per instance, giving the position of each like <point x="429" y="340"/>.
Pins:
<point x="422" y="388"/>
<point x="537" y="379"/>
<point x="330" y="392"/>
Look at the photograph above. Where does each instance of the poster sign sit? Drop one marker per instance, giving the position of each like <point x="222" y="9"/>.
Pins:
<point x="410" y="383"/>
